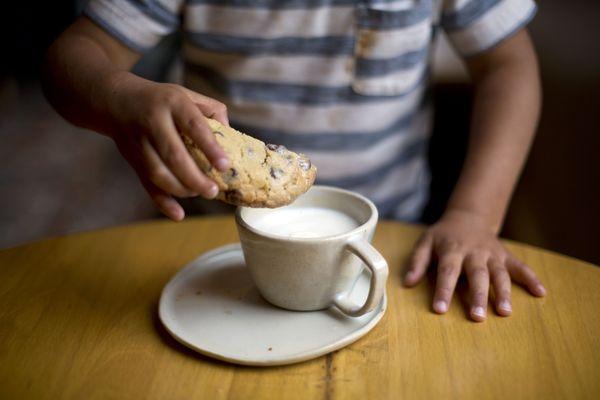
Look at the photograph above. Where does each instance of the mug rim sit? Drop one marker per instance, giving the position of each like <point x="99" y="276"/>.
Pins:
<point x="371" y="221"/>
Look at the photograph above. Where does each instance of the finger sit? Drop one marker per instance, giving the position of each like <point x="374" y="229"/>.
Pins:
<point x="191" y="122"/>
<point x="215" y="110"/>
<point x="142" y="157"/>
<point x="173" y="153"/>
<point x="151" y="167"/>
<point x="525" y="276"/>
<point x="479" y="286"/>
<point x="419" y="260"/>
<point x="165" y="203"/>
<point x="448" y="272"/>
<point x="500" y="280"/>
<point x="210" y="107"/>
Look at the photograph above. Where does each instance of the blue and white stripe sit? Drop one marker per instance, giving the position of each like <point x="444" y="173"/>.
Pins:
<point x="290" y="92"/>
<point x="341" y="80"/>
<point x="268" y="23"/>
<point x="481" y="24"/>
<point x="282" y="46"/>
<point x="129" y="22"/>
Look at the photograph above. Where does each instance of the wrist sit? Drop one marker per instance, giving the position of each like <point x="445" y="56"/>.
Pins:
<point x="112" y="97"/>
<point x="480" y="218"/>
<point x="486" y="207"/>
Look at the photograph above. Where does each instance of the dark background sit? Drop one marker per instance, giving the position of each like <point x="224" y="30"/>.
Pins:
<point x="57" y="179"/>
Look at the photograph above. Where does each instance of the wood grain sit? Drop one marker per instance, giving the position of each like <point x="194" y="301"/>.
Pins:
<point x="79" y="321"/>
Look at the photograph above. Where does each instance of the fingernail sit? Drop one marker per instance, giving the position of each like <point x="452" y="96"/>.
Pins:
<point x="408" y="280"/>
<point x="505" y="305"/>
<point x="440" y="306"/>
<point x="178" y="214"/>
<point x="222" y="164"/>
<point x="541" y="290"/>
<point x="479" y="311"/>
<point x="213" y="191"/>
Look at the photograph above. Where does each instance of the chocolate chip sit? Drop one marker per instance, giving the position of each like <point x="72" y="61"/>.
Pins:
<point x="276" y="173"/>
<point x="233" y="195"/>
<point x="279" y="149"/>
<point x="219" y="133"/>
<point x="304" y="164"/>
<point x="229" y="175"/>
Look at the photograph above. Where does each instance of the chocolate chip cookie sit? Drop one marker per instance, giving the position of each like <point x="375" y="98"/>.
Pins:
<point x="261" y="175"/>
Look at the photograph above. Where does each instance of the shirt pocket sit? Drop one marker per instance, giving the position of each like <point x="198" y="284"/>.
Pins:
<point x="392" y="44"/>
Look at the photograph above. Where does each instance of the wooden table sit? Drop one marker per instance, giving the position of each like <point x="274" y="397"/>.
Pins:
<point x="78" y="320"/>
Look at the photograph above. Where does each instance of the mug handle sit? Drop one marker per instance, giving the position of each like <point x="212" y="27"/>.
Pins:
<point x="379" y="272"/>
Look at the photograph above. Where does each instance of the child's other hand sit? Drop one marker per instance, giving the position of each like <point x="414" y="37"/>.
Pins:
<point x="462" y="242"/>
<point x="147" y="120"/>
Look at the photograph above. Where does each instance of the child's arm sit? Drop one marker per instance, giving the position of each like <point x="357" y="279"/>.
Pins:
<point x="86" y="79"/>
<point x="505" y="115"/>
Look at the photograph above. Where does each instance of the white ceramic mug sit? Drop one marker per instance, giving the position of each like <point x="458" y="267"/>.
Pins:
<point x="313" y="273"/>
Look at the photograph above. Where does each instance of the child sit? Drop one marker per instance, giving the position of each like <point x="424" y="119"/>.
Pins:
<point x="340" y="80"/>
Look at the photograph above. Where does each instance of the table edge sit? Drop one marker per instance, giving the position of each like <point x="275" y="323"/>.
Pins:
<point x="224" y="217"/>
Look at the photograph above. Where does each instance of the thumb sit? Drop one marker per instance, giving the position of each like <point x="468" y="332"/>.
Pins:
<point x="209" y="107"/>
<point x="419" y="260"/>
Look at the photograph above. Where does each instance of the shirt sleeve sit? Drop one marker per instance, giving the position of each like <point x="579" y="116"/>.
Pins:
<point x="138" y="24"/>
<point x="474" y="26"/>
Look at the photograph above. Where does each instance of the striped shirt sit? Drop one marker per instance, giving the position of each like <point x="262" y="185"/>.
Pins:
<point x="340" y="80"/>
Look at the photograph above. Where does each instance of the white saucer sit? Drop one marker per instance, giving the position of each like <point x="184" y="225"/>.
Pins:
<point x="213" y="307"/>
